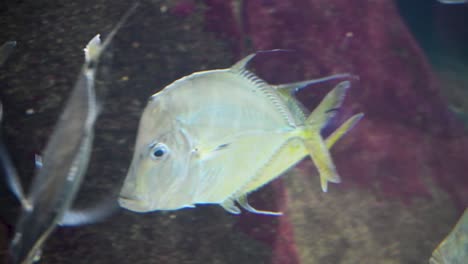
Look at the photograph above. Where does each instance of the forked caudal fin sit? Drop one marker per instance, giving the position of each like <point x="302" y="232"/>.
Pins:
<point x="342" y="130"/>
<point x="313" y="141"/>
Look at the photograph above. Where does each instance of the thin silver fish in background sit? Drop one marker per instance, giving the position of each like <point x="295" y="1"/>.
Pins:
<point x="5" y="50"/>
<point x="215" y="136"/>
<point x="65" y="160"/>
<point x="7" y="166"/>
<point x="454" y="248"/>
<point x="453" y="1"/>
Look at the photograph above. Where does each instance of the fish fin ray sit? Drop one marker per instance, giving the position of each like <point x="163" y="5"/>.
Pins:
<point x="12" y="179"/>
<point x="244" y="203"/>
<point x="342" y="130"/>
<point x="229" y="206"/>
<point x="273" y="96"/>
<point x="241" y="65"/>
<point x="297" y="86"/>
<point x="321" y="157"/>
<point x="326" y="109"/>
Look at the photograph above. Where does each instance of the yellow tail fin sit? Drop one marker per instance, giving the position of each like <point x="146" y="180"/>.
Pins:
<point x="321" y="157"/>
<point x="342" y="130"/>
<point x="317" y="147"/>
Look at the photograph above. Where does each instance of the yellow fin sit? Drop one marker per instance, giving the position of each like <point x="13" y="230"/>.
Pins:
<point x="313" y="141"/>
<point x="242" y="201"/>
<point x="328" y="106"/>
<point x="319" y="151"/>
<point x="342" y="130"/>
<point x="321" y="157"/>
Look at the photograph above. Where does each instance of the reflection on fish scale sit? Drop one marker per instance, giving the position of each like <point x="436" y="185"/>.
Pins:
<point x="255" y="122"/>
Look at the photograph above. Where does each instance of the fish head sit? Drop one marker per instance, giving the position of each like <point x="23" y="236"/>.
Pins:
<point x="158" y="173"/>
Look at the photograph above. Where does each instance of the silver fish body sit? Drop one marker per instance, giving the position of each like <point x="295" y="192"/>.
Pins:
<point x="200" y="137"/>
<point x="211" y="137"/>
<point x="65" y="161"/>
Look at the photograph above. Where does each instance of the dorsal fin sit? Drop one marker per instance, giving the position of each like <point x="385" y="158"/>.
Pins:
<point x="266" y="89"/>
<point x="296" y="86"/>
<point x="240" y="65"/>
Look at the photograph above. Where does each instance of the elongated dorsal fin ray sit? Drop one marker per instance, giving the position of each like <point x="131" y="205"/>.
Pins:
<point x="297" y="86"/>
<point x="240" y="66"/>
<point x="244" y="203"/>
<point x="229" y="206"/>
<point x="327" y="108"/>
<point x="94" y="48"/>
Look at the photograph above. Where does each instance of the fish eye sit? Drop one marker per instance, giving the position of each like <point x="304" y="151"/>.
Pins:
<point x="158" y="151"/>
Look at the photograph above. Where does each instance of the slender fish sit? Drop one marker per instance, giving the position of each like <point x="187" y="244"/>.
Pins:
<point x="65" y="161"/>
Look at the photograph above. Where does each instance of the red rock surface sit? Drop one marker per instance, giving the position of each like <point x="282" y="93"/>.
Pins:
<point x="407" y="138"/>
<point x="407" y="127"/>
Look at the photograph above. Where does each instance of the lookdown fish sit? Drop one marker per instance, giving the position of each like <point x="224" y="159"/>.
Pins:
<point x="65" y="161"/>
<point x="215" y="136"/>
<point x="454" y="248"/>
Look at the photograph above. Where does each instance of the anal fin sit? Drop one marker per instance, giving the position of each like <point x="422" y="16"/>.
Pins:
<point x="229" y="206"/>
<point x="244" y="203"/>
